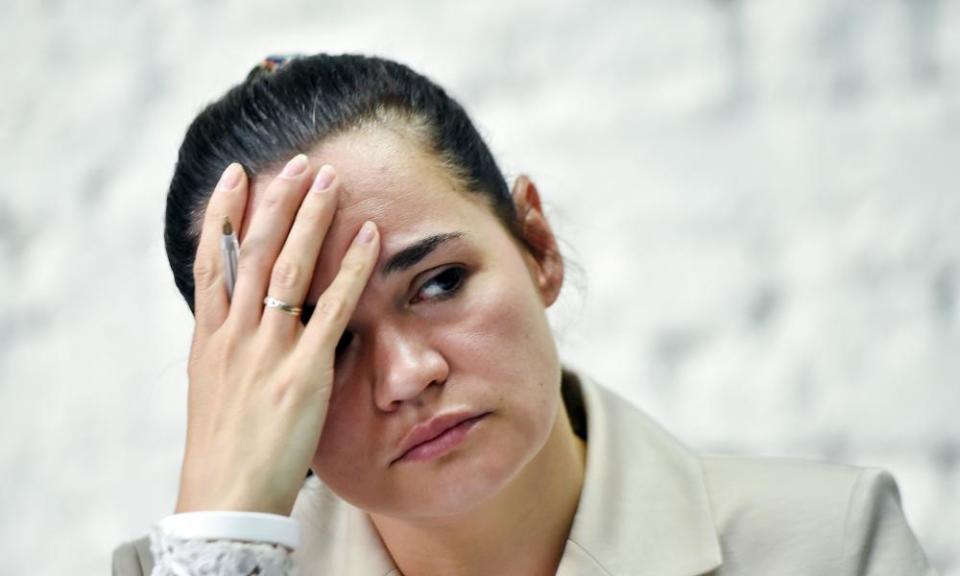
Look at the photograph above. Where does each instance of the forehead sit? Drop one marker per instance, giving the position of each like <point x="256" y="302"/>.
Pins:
<point x="387" y="177"/>
<point x="379" y="170"/>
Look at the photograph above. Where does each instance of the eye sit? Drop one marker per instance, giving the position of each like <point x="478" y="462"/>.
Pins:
<point x="345" y="340"/>
<point x="443" y="285"/>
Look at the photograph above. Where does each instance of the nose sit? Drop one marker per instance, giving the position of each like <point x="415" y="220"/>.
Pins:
<point x="406" y="364"/>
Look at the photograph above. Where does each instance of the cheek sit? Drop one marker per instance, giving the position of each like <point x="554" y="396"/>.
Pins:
<point x="500" y="325"/>
<point x="344" y="449"/>
<point x="506" y="317"/>
<point x="502" y="338"/>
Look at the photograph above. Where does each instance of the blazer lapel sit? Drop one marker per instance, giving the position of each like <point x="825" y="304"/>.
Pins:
<point x="336" y="537"/>
<point x="644" y="507"/>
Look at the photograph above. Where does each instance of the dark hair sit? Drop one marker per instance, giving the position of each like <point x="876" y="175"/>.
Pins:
<point x="288" y="105"/>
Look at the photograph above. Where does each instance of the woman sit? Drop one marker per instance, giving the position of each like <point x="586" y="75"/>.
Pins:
<point x="388" y="332"/>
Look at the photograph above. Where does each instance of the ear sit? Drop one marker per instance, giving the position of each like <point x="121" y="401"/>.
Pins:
<point x="543" y="260"/>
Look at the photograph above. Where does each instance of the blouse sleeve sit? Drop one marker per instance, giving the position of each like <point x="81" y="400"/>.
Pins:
<point x="877" y="538"/>
<point x="224" y="544"/>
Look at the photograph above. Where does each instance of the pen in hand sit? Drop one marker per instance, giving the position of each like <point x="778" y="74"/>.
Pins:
<point x="229" y="249"/>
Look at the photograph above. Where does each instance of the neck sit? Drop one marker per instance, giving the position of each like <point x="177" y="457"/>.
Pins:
<point x="521" y="530"/>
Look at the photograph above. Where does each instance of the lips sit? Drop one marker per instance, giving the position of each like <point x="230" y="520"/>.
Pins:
<point x="427" y="431"/>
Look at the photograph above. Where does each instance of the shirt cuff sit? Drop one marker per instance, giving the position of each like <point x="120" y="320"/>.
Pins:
<point x="232" y="525"/>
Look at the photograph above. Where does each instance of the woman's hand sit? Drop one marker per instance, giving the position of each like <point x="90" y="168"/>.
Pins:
<point x="260" y="381"/>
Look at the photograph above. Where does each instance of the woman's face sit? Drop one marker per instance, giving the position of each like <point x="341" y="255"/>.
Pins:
<point x="463" y="327"/>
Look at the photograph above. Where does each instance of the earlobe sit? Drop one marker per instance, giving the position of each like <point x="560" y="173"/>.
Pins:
<point x="543" y="257"/>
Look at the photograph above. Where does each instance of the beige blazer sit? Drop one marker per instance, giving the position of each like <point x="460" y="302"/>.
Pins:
<point x="650" y="506"/>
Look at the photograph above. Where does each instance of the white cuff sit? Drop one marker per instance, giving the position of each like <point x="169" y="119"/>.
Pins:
<point x="230" y="525"/>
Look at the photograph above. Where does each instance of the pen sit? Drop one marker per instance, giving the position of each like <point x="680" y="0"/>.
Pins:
<point x="229" y="249"/>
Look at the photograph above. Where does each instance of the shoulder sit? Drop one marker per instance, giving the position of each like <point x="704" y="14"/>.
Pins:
<point x="742" y="487"/>
<point x="766" y="501"/>
<point x="772" y="514"/>
<point x="133" y="558"/>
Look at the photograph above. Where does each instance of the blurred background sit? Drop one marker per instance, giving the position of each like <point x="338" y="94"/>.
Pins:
<point x="761" y="198"/>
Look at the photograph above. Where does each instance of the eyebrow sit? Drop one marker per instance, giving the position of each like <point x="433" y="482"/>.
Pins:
<point x="414" y="253"/>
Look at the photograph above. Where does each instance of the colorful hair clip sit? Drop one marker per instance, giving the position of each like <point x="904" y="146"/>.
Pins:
<point x="271" y="64"/>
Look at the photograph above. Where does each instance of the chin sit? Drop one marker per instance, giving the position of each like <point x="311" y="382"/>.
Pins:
<point x="457" y="489"/>
<point x="450" y="486"/>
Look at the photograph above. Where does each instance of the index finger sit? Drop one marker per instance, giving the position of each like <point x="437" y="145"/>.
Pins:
<point x="228" y="200"/>
<point x="337" y="303"/>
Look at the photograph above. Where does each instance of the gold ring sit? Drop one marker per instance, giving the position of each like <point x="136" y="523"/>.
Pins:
<point x="272" y="302"/>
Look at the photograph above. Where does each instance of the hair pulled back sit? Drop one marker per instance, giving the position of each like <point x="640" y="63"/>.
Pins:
<point x="290" y="105"/>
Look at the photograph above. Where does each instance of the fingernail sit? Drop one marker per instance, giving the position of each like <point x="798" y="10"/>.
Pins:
<point x="366" y="233"/>
<point x="230" y="177"/>
<point x="323" y="179"/>
<point x="295" y="166"/>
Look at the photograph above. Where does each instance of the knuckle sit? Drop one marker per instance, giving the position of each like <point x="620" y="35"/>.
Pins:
<point x="311" y="216"/>
<point x="272" y="201"/>
<point x="291" y="392"/>
<point x="251" y="265"/>
<point x="286" y="274"/>
<point x="205" y="273"/>
<point x="231" y="344"/>
<point x="251" y="259"/>
<point x="353" y="266"/>
<point x="283" y="392"/>
<point x="219" y="349"/>
<point x="333" y="308"/>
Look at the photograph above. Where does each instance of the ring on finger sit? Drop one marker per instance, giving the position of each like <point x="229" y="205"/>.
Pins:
<point x="272" y="302"/>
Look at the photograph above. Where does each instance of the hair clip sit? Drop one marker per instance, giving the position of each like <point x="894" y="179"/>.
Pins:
<point x="271" y="64"/>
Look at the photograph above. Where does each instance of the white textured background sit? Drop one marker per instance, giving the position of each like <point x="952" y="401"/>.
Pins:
<point x="762" y="196"/>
